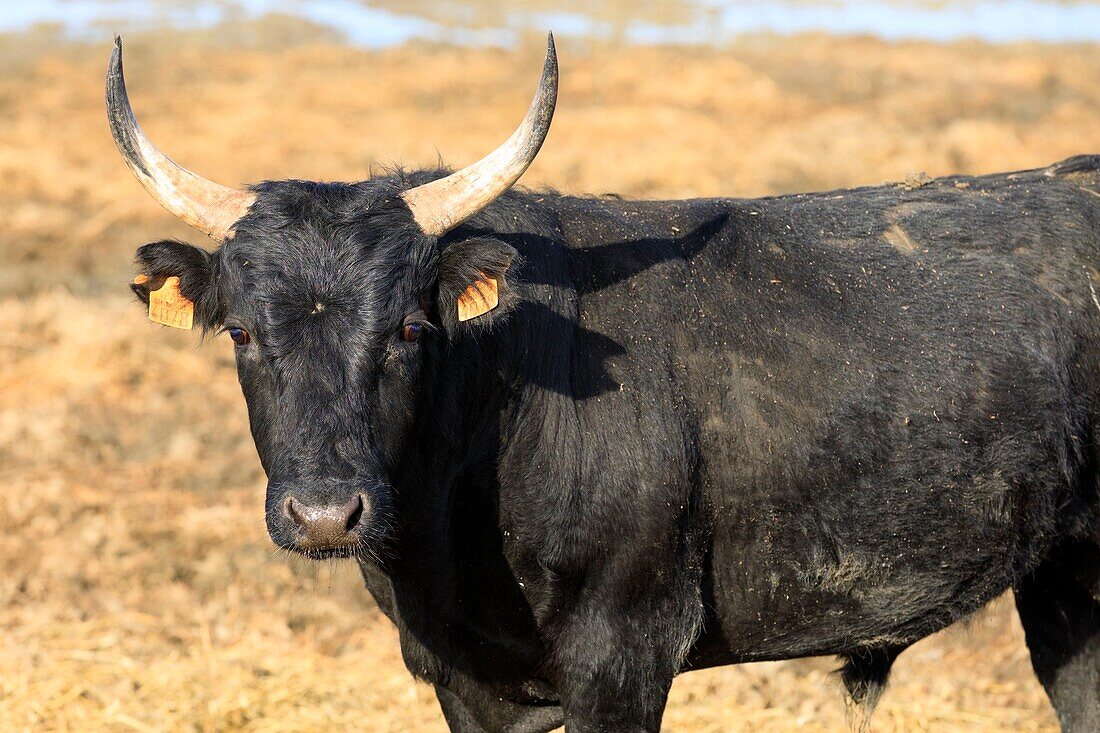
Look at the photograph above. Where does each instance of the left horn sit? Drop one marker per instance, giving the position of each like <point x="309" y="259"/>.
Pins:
<point x="209" y="207"/>
<point x="441" y="205"/>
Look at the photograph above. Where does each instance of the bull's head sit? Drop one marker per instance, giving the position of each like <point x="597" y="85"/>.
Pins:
<point x="336" y="296"/>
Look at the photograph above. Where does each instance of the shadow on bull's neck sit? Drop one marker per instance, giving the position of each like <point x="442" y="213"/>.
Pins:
<point x="592" y="370"/>
<point x="591" y="269"/>
<point x="600" y="267"/>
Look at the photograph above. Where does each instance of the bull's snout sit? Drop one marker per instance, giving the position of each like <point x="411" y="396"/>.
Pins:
<point x="327" y="526"/>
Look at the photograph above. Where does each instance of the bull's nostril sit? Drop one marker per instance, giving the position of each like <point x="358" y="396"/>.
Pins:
<point x="355" y="513"/>
<point x="291" y="509"/>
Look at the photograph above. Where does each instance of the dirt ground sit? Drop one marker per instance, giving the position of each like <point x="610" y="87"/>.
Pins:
<point x="139" y="590"/>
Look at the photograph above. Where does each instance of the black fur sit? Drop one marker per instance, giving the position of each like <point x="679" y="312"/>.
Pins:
<point x="694" y="433"/>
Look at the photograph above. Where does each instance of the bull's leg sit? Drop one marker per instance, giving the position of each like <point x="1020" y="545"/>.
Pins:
<point x="1059" y="606"/>
<point x="615" y="692"/>
<point x="489" y="714"/>
<point x="619" y="654"/>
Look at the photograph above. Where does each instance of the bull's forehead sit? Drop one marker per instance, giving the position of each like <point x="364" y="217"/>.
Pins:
<point x="340" y="253"/>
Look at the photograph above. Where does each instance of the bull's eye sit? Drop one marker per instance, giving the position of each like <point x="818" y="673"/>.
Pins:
<point x="412" y="331"/>
<point x="239" y="335"/>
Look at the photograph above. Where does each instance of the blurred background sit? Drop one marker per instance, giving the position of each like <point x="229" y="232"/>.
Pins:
<point x="138" y="588"/>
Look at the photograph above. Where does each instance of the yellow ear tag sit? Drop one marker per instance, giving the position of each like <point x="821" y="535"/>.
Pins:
<point x="169" y="307"/>
<point x="478" y="299"/>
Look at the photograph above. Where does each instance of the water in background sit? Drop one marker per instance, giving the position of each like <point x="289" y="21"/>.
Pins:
<point x="497" y="22"/>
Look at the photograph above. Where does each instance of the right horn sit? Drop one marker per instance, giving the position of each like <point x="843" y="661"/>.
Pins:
<point x="443" y="204"/>
<point x="209" y="207"/>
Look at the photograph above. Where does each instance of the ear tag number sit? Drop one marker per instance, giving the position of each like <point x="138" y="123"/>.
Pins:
<point x="167" y="306"/>
<point x="478" y="299"/>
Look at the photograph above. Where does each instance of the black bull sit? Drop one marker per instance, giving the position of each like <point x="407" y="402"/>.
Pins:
<point x="693" y="433"/>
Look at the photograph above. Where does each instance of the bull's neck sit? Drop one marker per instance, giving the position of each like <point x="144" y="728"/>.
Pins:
<point x="454" y="575"/>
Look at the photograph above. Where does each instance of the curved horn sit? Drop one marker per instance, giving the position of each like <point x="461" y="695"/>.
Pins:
<point x="443" y="204"/>
<point x="209" y="207"/>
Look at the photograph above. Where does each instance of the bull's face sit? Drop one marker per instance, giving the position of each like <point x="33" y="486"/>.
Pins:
<point x="340" y="301"/>
<point x="339" y="314"/>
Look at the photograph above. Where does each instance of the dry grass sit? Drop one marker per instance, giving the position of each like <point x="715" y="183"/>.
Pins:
<point x="139" y="590"/>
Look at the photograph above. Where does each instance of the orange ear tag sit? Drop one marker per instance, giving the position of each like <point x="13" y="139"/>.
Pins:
<point x="478" y="299"/>
<point x="168" y="306"/>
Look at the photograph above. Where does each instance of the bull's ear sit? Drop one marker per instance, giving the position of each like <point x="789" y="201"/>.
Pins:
<point x="159" y="262"/>
<point x="472" y="284"/>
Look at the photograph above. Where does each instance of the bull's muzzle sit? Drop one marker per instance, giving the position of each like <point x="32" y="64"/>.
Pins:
<point x="327" y="526"/>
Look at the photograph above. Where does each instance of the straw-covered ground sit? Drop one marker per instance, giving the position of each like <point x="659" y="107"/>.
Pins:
<point x="138" y="588"/>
